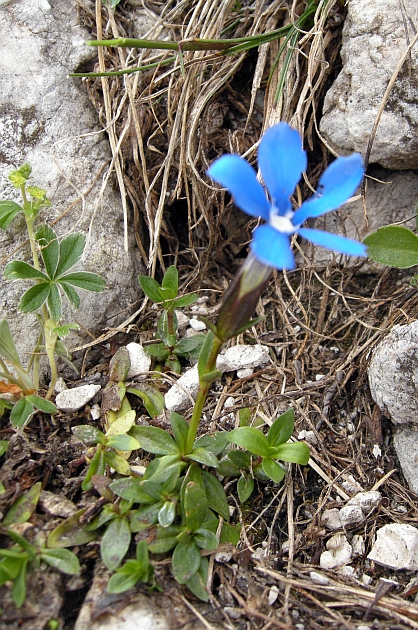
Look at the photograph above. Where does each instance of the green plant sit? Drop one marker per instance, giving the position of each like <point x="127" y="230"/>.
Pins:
<point x="45" y="296"/>
<point x="171" y="346"/>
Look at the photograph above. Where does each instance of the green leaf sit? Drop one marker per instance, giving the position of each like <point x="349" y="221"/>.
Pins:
<point x="194" y="505"/>
<point x="34" y="297"/>
<point x="244" y="417"/>
<point x="145" y="517"/>
<point x="185" y="300"/>
<point x="205" y="539"/>
<point x="117" y="462"/>
<point x="393" y="245"/>
<point x="167" y="294"/>
<point x="294" y="452"/>
<point x="272" y="469"/>
<point x="167" y="514"/>
<point x="168" y="465"/>
<point x="121" y="582"/>
<point x="96" y="467"/>
<point x="227" y="469"/>
<point x="251" y="439"/>
<point x="130" y="489"/>
<point x="180" y="428"/>
<point x="7" y="345"/>
<point x="115" y="543"/>
<point x="230" y="533"/>
<point x="49" y="246"/>
<point x="123" y="442"/>
<point x="71" y="294"/>
<point x="281" y="430"/>
<point x="215" y="495"/>
<point x="4" y="445"/>
<point x="204" y="456"/>
<point x="40" y="403"/>
<point x="54" y="302"/>
<point x="84" y="280"/>
<point x="185" y="561"/>
<point x="205" y="353"/>
<point x="23" y="508"/>
<point x="197" y="583"/>
<point x="186" y="345"/>
<point x="21" y="412"/>
<point x="152" y="398"/>
<point x="88" y="435"/>
<point x="151" y="288"/>
<point x="122" y="425"/>
<point x="8" y="211"/>
<point x="19" y="270"/>
<point x="70" y="251"/>
<point x="19" y="587"/>
<point x="171" y="280"/>
<point x="71" y="533"/>
<point x="62" y="559"/>
<point x="245" y="488"/>
<point x="240" y="459"/>
<point x="156" y="441"/>
<point x="157" y="350"/>
<point x="165" y="539"/>
<point x="213" y="442"/>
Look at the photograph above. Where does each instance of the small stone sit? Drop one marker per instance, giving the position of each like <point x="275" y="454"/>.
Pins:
<point x="197" y="325"/>
<point x="242" y="356"/>
<point x="351" y="515"/>
<point x="338" y="553"/>
<point x="178" y="397"/>
<point x="140" y="360"/>
<point x="396" y="547"/>
<point x="308" y="436"/>
<point x="74" y="399"/>
<point x="331" y="519"/>
<point x="358" y="545"/>
<point x="55" y="505"/>
<point x="182" y="319"/>
<point x="60" y="385"/>
<point x="229" y="402"/>
<point x="318" y="578"/>
<point x="245" y="373"/>
<point x="366" y="500"/>
<point x="351" y="486"/>
<point x="95" y="412"/>
<point x="223" y="556"/>
<point x="273" y="595"/>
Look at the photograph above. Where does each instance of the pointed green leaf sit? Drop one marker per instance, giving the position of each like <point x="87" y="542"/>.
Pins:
<point x="123" y="442"/>
<point x="185" y="300"/>
<point x="204" y="456"/>
<point x="23" y="508"/>
<point x="85" y="280"/>
<point x="122" y="425"/>
<point x="152" y="398"/>
<point x="8" y="211"/>
<point x="54" y="302"/>
<point x="121" y="582"/>
<point x="19" y="270"/>
<point x="70" y="251"/>
<point x="213" y="442"/>
<point x="195" y="505"/>
<point x="7" y="345"/>
<point x="88" y="435"/>
<point x="180" y="428"/>
<point x="151" y="288"/>
<point x="145" y="517"/>
<point x="185" y="561"/>
<point x="186" y="345"/>
<point x="245" y="488"/>
<point x="273" y="470"/>
<point x="393" y="245"/>
<point x="34" y="297"/>
<point x="62" y="559"/>
<point x="157" y="350"/>
<point x="156" y="441"/>
<point x="165" y="539"/>
<point x="281" y="430"/>
<point x="49" y="247"/>
<point x="215" y="494"/>
<point x="115" y="543"/>
<point x="171" y="280"/>
<point x="71" y="294"/>
<point x="117" y="462"/>
<point x="294" y="452"/>
<point x="230" y="533"/>
<point x="70" y="533"/>
<point x="240" y="458"/>
<point x="130" y="489"/>
<point x="251" y="439"/>
<point x="21" y="412"/>
<point x="19" y="587"/>
<point x="40" y="403"/>
<point x="205" y="539"/>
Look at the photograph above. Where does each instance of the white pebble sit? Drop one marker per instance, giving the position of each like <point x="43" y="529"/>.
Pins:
<point x="396" y="546"/>
<point x="273" y="594"/>
<point x="338" y="553"/>
<point x="318" y="578"/>
<point x="140" y="360"/>
<point x="74" y="399"/>
<point x="245" y="372"/>
<point x="331" y="519"/>
<point x="197" y="325"/>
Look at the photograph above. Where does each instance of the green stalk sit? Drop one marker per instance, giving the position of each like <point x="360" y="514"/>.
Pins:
<point x="204" y="387"/>
<point x="50" y="341"/>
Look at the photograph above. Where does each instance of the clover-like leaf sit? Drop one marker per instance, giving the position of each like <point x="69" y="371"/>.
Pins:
<point x="8" y="211"/>
<point x="85" y="280"/>
<point x="34" y="297"/>
<point x="47" y="241"/>
<point x="19" y="270"/>
<point x="70" y="251"/>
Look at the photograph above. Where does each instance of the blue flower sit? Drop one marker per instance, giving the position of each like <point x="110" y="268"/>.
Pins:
<point x="282" y="161"/>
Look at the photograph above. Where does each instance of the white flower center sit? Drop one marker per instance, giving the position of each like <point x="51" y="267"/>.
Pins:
<point x="282" y="224"/>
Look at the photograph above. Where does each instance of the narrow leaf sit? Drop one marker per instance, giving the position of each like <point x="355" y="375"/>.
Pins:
<point x="70" y="251"/>
<point x="34" y="297"/>
<point x="49" y="246"/>
<point x="294" y="452"/>
<point x="215" y="494"/>
<point x="195" y="505"/>
<point x="171" y="280"/>
<point x="54" y="302"/>
<point x="156" y="441"/>
<point x="152" y="398"/>
<point x="62" y="559"/>
<point x="185" y="300"/>
<point x="40" y="403"/>
<point x="23" y="508"/>
<point x="85" y="280"/>
<point x="19" y="270"/>
<point x="180" y="428"/>
<point x="71" y="533"/>
<point x="151" y="288"/>
<point x="251" y="439"/>
<point x="197" y="583"/>
<point x="71" y="294"/>
<point x="115" y="543"/>
<point x="281" y="430"/>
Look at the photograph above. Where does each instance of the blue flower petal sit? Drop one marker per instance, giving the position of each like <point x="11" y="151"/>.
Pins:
<point x="333" y="241"/>
<point x="235" y="174"/>
<point x="282" y="161"/>
<point x="272" y="248"/>
<point x="336" y="185"/>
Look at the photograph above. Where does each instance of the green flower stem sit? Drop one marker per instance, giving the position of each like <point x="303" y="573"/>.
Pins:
<point x="50" y="341"/>
<point x="204" y="387"/>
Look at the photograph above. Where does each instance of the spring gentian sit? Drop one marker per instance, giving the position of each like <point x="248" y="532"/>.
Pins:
<point x="282" y="161"/>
